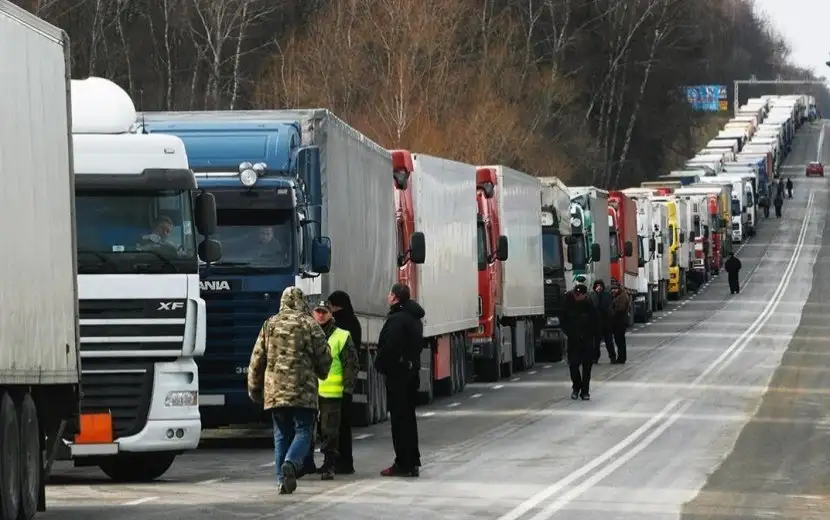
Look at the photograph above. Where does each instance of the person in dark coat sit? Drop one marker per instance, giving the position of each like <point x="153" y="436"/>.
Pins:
<point x="778" y="203"/>
<point x="620" y="303"/>
<point x="602" y="300"/>
<point x="580" y="319"/>
<point x="400" y="343"/>
<point x="732" y="266"/>
<point x="344" y="316"/>
<point x="789" y="187"/>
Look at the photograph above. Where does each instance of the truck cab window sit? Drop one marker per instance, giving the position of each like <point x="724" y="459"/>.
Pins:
<point x="255" y="238"/>
<point x="552" y="250"/>
<point x="483" y="250"/>
<point x="614" y="249"/>
<point x="402" y="238"/>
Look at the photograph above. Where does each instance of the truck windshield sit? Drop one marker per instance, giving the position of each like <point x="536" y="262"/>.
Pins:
<point x="256" y="239"/>
<point x="135" y="232"/>
<point x="579" y="257"/>
<point x="551" y="250"/>
<point x="613" y="249"/>
<point x="736" y="207"/>
<point x="482" y="245"/>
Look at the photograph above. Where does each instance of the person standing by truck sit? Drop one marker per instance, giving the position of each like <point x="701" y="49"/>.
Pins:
<point x="789" y="187"/>
<point x="601" y="299"/>
<point x="580" y="319"/>
<point x="779" y="202"/>
<point x="733" y="267"/>
<point x="289" y="357"/>
<point x="399" y="352"/>
<point x="344" y="316"/>
<point x="620" y="303"/>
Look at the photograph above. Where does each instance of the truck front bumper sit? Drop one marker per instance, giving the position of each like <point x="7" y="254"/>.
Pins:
<point x="551" y="337"/>
<point x="483" y="348"/>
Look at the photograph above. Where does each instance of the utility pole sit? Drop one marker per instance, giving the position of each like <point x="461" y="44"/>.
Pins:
<point x="778" y="81"/>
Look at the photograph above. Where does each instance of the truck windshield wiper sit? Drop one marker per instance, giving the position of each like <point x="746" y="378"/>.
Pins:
<point x="230" y="264"/>
<point x="100" y="256"/>
<point x="164" y="260"/>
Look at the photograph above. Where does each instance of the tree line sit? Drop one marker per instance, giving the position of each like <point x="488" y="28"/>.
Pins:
<point x="590" y="91"/>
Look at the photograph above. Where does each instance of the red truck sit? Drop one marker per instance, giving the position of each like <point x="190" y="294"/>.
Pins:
<point x="490" y="355"/>
<point x="624" y="252"/>
<point x="433" y="201"/>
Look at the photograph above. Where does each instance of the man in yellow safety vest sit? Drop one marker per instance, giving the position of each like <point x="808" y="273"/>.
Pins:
<point x="343" y="372"/>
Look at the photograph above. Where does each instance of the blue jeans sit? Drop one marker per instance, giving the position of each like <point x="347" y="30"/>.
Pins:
<point x="292" y="435"/>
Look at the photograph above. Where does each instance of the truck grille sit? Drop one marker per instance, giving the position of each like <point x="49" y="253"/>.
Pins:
<point x="141" y="327"/>
<point x="123" y="387"/>
<point x="553" y="297"/>
<point x="233" y="324"/>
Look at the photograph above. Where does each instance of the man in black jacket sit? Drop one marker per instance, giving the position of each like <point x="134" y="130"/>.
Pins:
<point x="344" y="316"/>
<point x="398" y="359"/>
<point x="732" y="266"/>
<point x="602" y="300"/>
<point x="580" y="320"/>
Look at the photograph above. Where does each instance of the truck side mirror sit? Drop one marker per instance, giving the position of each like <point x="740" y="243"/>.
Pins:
<point x="321" y="255"/>
<point x="652" y="245"/>
<point x="205" y="213"/>
<point x="570" y="255"/>
<point x="641" y="262"/>
<point x="628" y="248"/>
<point x="417" y="248"/>
<point x="210" y="250"/>
<point x="660" y="248"/>
<point x="692" y="236"/>
<point x="501" y="248"/>
<point x="595" y="253"/>
<point x="682" y="238"/>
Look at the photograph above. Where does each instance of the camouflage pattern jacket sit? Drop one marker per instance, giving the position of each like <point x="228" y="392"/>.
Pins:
<point x="348" y="358"/>
<point x="290" y="354"/>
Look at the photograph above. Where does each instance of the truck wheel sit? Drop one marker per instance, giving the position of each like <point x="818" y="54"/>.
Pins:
<point x="9" y="459"/>
<point x="31" y="464"/>
<point x="139" y="467"/>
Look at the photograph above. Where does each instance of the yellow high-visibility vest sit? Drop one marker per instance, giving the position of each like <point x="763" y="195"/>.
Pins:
<point x="332" y="386"/>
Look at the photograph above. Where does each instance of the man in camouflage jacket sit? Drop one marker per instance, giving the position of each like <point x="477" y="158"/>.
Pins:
<point x="289" y="356"/>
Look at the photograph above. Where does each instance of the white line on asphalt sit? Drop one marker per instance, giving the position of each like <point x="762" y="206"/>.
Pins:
<point x="547" y="366"/>
<point x="427" y="414"/>
<point x="362" y="436"/>
<point x="139" y="501"/>
<point x="268" y="465"/>
<point x="603" y="473"/>
<point x="212" y="481"/>
<point x="475" y="396"/>
<point x="496" y="387"/>
<point x="453" y="405"/>
<point x="532" y="372"/>
<point x="515" y="379"/>
<point x="532" y="502"/>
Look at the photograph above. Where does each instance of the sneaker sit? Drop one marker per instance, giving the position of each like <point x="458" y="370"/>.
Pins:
<point x="289" y="477"/>
<point x="574" y="396"/>
<point x="327" y="474"/>
<point x="586" y="397"/>
<point x="395" y="471"/>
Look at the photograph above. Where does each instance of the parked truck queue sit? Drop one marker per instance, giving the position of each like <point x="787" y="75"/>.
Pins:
<point x="181" y="229"/>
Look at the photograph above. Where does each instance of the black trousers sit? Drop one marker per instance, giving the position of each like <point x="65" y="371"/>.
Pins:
<point x="619" y="340"/>
<point x="402" y="397"/>
<point x="778" y="211"/>
<point x="790" y="192"/>
<point x="581" y="377"/>
<point x="345" y="460"/>
<point x="604" y="335"/>
<point x="734" y="286"/>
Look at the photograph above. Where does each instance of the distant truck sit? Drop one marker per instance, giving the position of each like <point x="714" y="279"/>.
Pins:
<point x="699" y="213"/>
<point x="39" y="340"/>
<point x="590" y="235"/>
<point x="285" y="183"/>
<point x="556" y="234"/>
<point x="660" y="220"/>
<point x="512" y="342"/>
<point x="624" y="247"/>
<point x="434" y="203"/>
<point x="648" y="271"/>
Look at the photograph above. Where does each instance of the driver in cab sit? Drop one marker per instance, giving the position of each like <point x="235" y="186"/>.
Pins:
<point x="270" y="247"/>
<point x="159" y="237"/>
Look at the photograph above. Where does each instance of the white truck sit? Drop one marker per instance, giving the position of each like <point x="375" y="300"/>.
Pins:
<point x="556" y="233"/>
<point x="649" y="276"/>
<point x="446" y="283"/>
<point x="590" y="233"/>
<point x="39" y="363"/>
<point x="660" y="219"/>
<point x="523" y="302"/>
<point x="743" y="206"/>
<point x="142" y="319"/>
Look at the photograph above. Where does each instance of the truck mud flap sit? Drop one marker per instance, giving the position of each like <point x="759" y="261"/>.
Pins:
<point x="369" y="399"/>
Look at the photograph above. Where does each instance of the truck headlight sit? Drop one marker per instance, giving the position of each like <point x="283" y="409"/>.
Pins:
<point x="248" y="177"/>
<point x="552" y="321"/>
<point x="181" y="398"/>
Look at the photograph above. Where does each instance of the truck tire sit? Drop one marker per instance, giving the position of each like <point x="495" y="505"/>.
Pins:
<point x="31" y="468"/>
<point x="9" y="459"/>
<point x="138" y="467"/>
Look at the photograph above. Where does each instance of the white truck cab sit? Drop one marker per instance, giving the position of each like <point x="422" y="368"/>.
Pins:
<point x="142" y="320"/>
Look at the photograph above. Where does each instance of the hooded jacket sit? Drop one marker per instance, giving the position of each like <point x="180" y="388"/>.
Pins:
<point x="401" y="340"/>
<point x="345" y="317"/>
<point x="290" y="355"/>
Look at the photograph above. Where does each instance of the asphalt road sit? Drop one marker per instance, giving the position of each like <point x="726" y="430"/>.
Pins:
<point x="692" y="402"/>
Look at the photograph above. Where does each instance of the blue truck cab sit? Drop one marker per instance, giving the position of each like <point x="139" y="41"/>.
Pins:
<point x="267" y="188"/>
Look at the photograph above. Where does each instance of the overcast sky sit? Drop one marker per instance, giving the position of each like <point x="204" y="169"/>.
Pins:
<point x="802" y="22"/>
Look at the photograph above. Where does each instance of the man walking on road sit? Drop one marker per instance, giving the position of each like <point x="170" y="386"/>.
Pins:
<point x="601" y="299"/>
<point x="789" y="187"/>
<point x="620" y="303"/>
<point x="779" y="202"/>
<point x="343" y="372"/>
<point x="732" y="267"/>
<point x="398" y="359"/>
<point x="289" y="356"/>
<point x="580" y="319"/>
<point x="344" y="316"/>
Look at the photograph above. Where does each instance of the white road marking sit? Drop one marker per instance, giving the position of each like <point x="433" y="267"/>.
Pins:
<point x="547" y="366"/>
<point x="496" y="387"/>
<point x="427" y="414"/>
<point x="532" y="372"/>
<point x="475" y="396"/>
<point x="212" y="481"/>
<point x="362" y="436"/>
<point x="139" y="501"/>
<point x="515" y="379"/>
<point x="453" y="405"/>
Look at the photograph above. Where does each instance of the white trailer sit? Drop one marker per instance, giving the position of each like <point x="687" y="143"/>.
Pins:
<point x="39" y="339"/>
<point x="556" y="232"/>
<point x="589" y="225"/>
<point x="648" y="279"/>
<point x="684" y="226"/>
<point x="523" y="304"/>
<point x="660" y="217"/>
<point x="446" y="284"/>
<point x="743" y="207"/>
